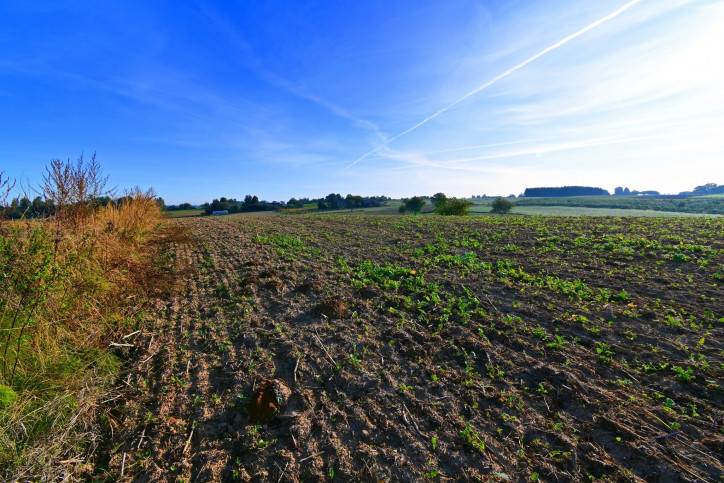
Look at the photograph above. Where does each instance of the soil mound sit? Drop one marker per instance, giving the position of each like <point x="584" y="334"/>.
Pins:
<point x="270" y="273"/>
<point x="332" y="308"/>
<point x="268" y="400"/>
<point x="306" y="287"/>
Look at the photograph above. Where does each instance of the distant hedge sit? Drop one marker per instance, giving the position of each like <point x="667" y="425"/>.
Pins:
<point x="565" y="191"/>
<point x="709" y="205"/>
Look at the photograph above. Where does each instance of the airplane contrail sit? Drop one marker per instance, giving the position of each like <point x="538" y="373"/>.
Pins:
<point x="499" y="77"/>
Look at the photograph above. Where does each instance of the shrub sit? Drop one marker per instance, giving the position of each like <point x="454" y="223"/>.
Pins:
<point x="453" y="207"/>
<point x="501" y="205"/>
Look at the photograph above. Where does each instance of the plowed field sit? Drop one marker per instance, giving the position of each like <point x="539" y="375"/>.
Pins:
<point x="413" y="348"/>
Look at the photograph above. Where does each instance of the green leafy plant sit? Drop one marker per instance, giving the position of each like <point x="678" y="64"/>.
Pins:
<point x="473" y="438"/>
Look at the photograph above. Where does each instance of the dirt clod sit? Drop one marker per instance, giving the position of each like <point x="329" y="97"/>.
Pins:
<point x="274" y="284"/>
<point x="270" y="273"/>
<point x="333" y="308"/>
<point x="268" y="400"/>
<point x="306" y="287"/>
<point x="250" y="280"/>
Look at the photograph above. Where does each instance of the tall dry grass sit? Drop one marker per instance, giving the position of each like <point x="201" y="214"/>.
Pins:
<point x="69" y="285"/>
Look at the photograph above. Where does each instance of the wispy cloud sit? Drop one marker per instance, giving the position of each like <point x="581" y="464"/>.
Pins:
<point x="499" y="77"/>
<point x="251" y="59"/>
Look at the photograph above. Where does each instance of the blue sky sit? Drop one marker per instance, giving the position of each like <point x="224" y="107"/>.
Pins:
<point x="280" y="98"/>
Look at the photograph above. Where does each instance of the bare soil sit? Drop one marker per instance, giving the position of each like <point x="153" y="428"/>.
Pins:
<point x="411" y="348"/>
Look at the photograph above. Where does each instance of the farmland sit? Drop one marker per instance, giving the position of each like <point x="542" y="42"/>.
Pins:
<point x="417" y="348"/>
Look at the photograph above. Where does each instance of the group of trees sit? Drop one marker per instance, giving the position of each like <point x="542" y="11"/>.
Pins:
<point x="709" y="189"/>
<point x="332" y="201"/>
<point x="336" y="202"/>
<point x="450" y="206"/>
<point x="24" y="208"/>
<point x="619" y="191"/>
<point x="182" y="206"/>
<point x="443" y="205"/>
<point x="250" y="203"/>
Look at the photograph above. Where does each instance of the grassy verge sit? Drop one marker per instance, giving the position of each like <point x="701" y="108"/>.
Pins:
<point x="70" y="285"/>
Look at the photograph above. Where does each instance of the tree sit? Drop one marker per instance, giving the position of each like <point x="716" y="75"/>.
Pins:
<point x="334" y="201"/>
<point x="709" y="189"/>
<point x="353" y="201"/>
<point x="501" y="205"/>
<point x="413" y="204"/>
<point x="438" y="198"/>
<point x="453" y="207"/>
<point x="295" y="203"/>
<point x="217" y="205"/>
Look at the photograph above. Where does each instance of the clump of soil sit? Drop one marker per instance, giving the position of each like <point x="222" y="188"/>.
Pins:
<point x="268" y="400"/>
<point x="306" y="287"/>
<point x="332" y="308"/>
<point x="270" y="273"/>
<point x="274" y="284"/>
<point x="250" y="280"/>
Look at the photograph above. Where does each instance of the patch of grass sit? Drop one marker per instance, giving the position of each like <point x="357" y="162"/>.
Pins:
<point x="7" y="397"/>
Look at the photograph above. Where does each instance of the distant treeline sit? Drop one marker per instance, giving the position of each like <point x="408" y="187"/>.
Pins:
<point x="564" y="191"/>
<point x="713" y="205"/>
<point x="333" y="201"/>
<point x="619" y="191"/>
<point x="40" y="208"/>
<point x="232" y="205"/>
<point x="182" y="206"/>
<point x="350" y="202"/>
<point x="706" y="189"/>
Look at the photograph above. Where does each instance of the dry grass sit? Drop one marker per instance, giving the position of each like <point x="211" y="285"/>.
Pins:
<point x="71" y="284"/>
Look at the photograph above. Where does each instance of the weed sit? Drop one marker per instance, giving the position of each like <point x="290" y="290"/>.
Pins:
<point x="684" y="375"/>
<point x="473" y="438"/>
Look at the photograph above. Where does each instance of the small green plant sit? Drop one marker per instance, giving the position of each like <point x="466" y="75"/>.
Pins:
<point x="541" y="333"/>
<point x="558" y="343"/>
<point x="473" y="438"/>
<point x="684" y="375"/>
<point x="431" y="474"/>
<point x="7" y="396"/>
<point x="604" y="352"/>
